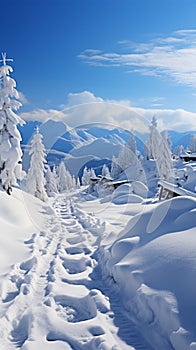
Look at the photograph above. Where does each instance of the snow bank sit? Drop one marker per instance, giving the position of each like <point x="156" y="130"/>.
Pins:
<point x="190" y="184"/>
<point x="154" y="265"/>
<point x="20" y="217"/>
<point x="133" y="192"/>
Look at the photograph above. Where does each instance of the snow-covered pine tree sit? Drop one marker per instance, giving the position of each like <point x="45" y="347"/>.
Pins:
<point x="10" y="150"/>
<point x="51" y="183"/>
<point x="92" y="174"/>
<point x="153" y="141"/>
<point x="36" y="182"/>
<point x="179" y="150"/>
<point x="86" y="176"/>
<point x="62" y="181"/>
<point x="164" y="161"/>
<point x="66" y="182"/>
<point x="105" y="171"/>
<point x="158" y="148"/>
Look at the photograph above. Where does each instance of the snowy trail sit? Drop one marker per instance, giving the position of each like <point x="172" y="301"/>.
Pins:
<point x="85" y="233"/>
<point x="59" y="299"/>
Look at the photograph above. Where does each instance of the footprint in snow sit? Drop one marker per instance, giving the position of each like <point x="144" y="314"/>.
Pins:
<point x="31" y="240"/>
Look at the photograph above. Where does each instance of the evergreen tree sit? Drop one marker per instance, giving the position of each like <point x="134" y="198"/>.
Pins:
<point x="105" y="171"/>
<point x="164" y="161"/>
<point x="51" y="183"/>
<point x="153" y="141"/>
<point x="158" y="148"/>
<point x="86" y="176"/>
<point x="62" y="181"/>
<point x="66" y="182"/>
<point x="179" y="150"/>
<point x="92" y="174"/>
<point x="10" y="150"/>
<point x="36" y="181"/>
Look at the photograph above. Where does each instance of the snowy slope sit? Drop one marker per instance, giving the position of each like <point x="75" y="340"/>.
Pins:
<point x="151" y="257"/>
<point x="100" y="148"/>
<point x="88" y="274"/>
<point x="19" y="218"/>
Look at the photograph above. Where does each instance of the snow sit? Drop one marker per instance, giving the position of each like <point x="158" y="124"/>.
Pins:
<point x="82" y="272"/>
<point x="98" y="148"/>
<point x="19" y="218"/>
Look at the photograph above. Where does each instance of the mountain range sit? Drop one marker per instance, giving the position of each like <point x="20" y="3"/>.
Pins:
<point x="93" y="145"/>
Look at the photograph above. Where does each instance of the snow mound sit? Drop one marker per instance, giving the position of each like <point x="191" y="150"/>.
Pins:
<point x="139" y="188"/>
<point x="127" y="198"/>
<point x="190" y="184"/>
<point x="20" y="216"/>
<point x="125" y="194"/>
<point x="154" y="264"/>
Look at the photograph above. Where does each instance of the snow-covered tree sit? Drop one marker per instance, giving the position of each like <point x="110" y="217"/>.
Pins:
<point x="62" y="177"/>
<point x="179" y="150"/>
<point x="105" y="171"/>
<point x="36" y="182"/>
<point x="158" y="148"/>
<point x="51" y="182"/>
<point x="92" y="174"/>
<point x="10" y="150"/>
<point x="192" y="146"/>
<point x="86" y="176"/>
<point x="164" y="160"/>
<point x="65" y="180"/>
<point x="153" y="141"/>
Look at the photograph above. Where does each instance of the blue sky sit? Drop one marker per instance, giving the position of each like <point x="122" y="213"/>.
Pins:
<point x="141" y="53"/>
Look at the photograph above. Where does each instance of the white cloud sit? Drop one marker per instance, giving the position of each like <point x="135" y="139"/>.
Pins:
<point x="81" y="98"/>
<point x="173" y="56"/>
<point x="43" y="115"/>
<point x="85" y="108"/>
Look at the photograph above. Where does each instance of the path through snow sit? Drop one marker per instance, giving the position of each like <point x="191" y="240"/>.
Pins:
<point x="59" y="298"/>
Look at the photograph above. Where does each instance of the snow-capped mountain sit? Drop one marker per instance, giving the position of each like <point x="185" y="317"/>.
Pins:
<point x="89" y="145"/>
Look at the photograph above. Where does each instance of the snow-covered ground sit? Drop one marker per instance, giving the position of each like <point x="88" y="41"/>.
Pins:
<point x="90" y="273"/>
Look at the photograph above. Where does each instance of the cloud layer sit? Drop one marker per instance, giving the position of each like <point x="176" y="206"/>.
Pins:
<point x="85" y="108"/>
<point x="172" y="56"/>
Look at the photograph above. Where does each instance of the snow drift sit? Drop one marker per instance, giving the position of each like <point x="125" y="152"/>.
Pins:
<point x="154" y="265"/>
